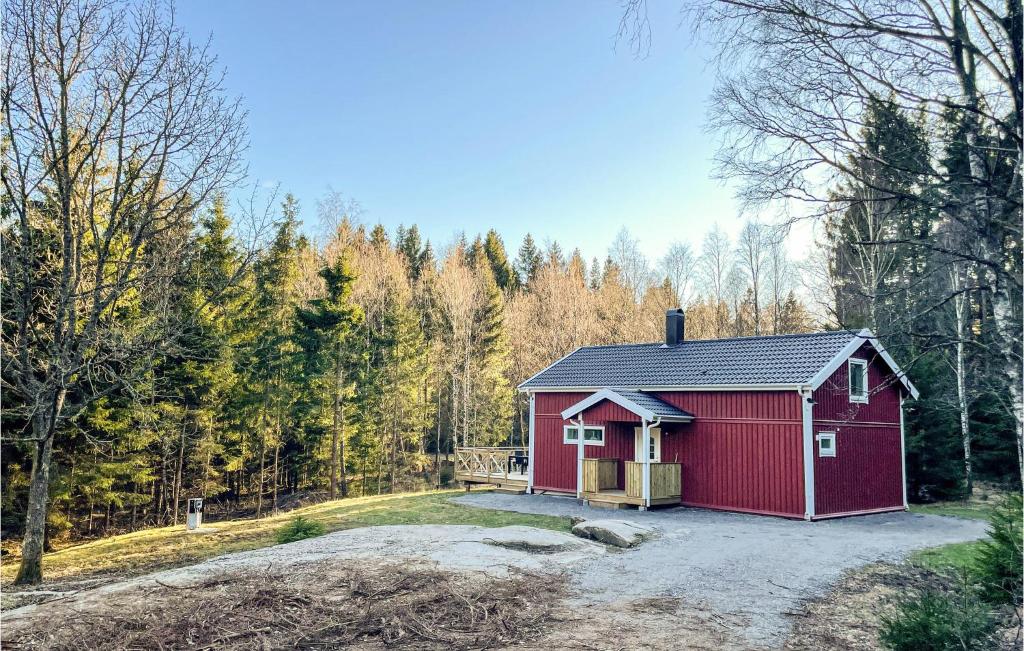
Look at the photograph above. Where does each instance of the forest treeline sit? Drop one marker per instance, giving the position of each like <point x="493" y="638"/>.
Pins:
<point x="347" y="363"/>
<point x="162" y="342"/>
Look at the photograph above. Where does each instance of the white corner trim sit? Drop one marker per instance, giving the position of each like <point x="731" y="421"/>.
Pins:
<point x="529" y="453"/>
<point x="607" y="394"/>
<point x="807" y="412"/>
<point x="903" y="456"/>
<point x="520" y="387"/>
<point x="864" y="335"/>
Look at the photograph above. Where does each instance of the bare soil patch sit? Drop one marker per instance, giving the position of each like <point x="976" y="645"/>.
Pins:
<point x="325" y="604"/>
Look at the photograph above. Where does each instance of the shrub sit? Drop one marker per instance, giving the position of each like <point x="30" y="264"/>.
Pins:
<point x="1000" y="564"/>
<point x="299" y="529"/>
<point x="447" y="475"/>
<point x="938" y="621"/>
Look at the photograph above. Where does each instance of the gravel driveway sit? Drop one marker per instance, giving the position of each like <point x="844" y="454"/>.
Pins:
<point x="755" y="567"/>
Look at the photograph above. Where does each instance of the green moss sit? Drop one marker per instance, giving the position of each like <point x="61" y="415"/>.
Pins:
<point x="165" y="547"/>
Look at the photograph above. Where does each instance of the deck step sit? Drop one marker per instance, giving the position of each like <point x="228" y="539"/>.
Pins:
<point x="610" y="504"/>
<point x="510" y="490"/>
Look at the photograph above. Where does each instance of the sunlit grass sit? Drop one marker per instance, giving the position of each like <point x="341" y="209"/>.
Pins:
<point x="166" y="547"/>
<point x="948" y="558"/>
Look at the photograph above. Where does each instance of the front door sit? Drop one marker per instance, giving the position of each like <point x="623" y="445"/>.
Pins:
<point x="638" y="444"/>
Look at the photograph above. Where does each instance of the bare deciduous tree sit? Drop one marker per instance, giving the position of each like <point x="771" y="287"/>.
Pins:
<point x="116" y="129"/>
<point x="752" y="252"/>
<point x="715" y="264"/>
<point x="679" y="266"/>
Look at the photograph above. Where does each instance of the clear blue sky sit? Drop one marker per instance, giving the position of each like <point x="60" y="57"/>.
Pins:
<point x="463" y="115"/>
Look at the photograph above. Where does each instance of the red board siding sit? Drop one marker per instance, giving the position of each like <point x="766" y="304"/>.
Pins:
<point x="554" y="463"/>
<point x="867" y="472"/>
<point x="742" y="452"/>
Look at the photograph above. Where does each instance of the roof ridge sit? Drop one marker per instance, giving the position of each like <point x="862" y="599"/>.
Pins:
<point x="819" y="333"/>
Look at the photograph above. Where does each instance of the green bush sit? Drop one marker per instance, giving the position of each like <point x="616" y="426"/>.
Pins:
<point x="1000" y="564"/>
<point x="299" y="529"/>
<point x="939" y="621"/>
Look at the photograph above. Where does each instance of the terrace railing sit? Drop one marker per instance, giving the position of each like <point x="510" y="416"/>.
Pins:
<point x="491" y="465"/>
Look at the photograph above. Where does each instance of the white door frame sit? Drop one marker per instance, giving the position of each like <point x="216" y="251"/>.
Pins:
<point x="638" y="433"/>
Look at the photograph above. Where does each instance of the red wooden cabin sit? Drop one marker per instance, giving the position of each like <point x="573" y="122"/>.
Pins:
<point x="802" y="426"/>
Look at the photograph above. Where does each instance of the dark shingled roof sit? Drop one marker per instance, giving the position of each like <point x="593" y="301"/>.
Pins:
<point x="777" y="359"/>
<point x="654" y="403"/>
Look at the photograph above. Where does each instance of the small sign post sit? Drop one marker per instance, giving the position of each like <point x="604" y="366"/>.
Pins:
<point x="195" y="513"/>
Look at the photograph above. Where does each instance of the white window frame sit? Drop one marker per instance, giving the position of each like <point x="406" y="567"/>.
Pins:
<point x="576" y="428"/>
<point x="831" y="436"/>
<point x="863" y="364"/>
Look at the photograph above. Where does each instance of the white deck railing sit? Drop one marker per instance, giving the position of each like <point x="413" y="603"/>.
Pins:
<point x="490" y="464"/>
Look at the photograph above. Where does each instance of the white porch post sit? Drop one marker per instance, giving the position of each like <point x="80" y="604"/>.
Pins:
<point x="529" y="450"/>
<point x="647" y="464"/>
<point x="807" y="413"/>
<point x="903" y="456"/>
<point x="579" y="459"/>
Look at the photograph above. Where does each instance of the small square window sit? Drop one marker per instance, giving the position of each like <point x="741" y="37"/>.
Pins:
<point x="826" y="444"/>
<point x="858" y="380"/>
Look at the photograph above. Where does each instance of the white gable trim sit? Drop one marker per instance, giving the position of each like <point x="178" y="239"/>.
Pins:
<point x="607" y="394"/>
<point x="625" y="403"/>
<point x="864" y="335"/>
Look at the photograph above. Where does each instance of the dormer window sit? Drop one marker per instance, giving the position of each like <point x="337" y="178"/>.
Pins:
<point x="858" y="380"/>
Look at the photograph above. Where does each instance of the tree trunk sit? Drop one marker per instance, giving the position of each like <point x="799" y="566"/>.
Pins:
<point x="31" y="570"/>
<point x="179" y="471"/>
<point x="959" y="309"/>
<point x="277" y="454"/>
<point x="263" y="469"/>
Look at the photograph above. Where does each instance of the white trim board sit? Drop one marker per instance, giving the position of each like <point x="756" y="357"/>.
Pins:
<point x="652" y="388"/>
<point x="807" y="413"/>
<point x="863" y="336"/>
<point x="625" y="403"/>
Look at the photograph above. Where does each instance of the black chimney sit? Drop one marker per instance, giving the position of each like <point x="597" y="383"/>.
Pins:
<point x="675" y="327"/>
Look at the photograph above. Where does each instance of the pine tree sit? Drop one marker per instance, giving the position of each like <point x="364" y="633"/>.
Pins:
<point x="503" y="273"/>
<point x="528" y="261"/>
<point x="326" y="335"/>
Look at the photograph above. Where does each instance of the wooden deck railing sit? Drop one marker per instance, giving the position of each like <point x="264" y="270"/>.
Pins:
<point x="490" y="465"/>
<point x="666" y="480"/>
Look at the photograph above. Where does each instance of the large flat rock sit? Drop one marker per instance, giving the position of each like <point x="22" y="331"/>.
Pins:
<point x="618" y="533"/>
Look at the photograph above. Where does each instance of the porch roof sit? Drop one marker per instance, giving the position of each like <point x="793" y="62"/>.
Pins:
<point x="647" y="406"/>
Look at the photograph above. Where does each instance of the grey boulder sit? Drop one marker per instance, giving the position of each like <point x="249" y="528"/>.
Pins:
<point x="618" y="533"/>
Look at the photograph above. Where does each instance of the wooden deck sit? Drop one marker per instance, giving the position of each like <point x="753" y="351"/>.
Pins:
<point x="600" y="483"/>
<point x="491" y="465"/>
<point x="617" y="498"/>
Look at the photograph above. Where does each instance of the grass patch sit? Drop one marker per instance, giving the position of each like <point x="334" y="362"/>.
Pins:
<point x="973" y="510"/>
<point x="166" y="547"/>
<point x="978" y="506"/>
<point x="948" y="558"/>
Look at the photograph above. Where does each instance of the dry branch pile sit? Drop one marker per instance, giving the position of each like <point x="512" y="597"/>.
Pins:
<point x="326" y="606"/>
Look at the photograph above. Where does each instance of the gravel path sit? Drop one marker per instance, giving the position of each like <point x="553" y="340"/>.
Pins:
<point x="756" y="567"/>
<point x="743" y="572"/>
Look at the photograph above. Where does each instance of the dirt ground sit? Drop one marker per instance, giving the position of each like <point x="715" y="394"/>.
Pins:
<point x="462" y="587"/>
<point x="417" y="605"/>
<point x="366" y="606"/>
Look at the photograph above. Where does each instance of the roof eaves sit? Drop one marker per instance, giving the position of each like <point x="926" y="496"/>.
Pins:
<point x="522" y="385"/>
